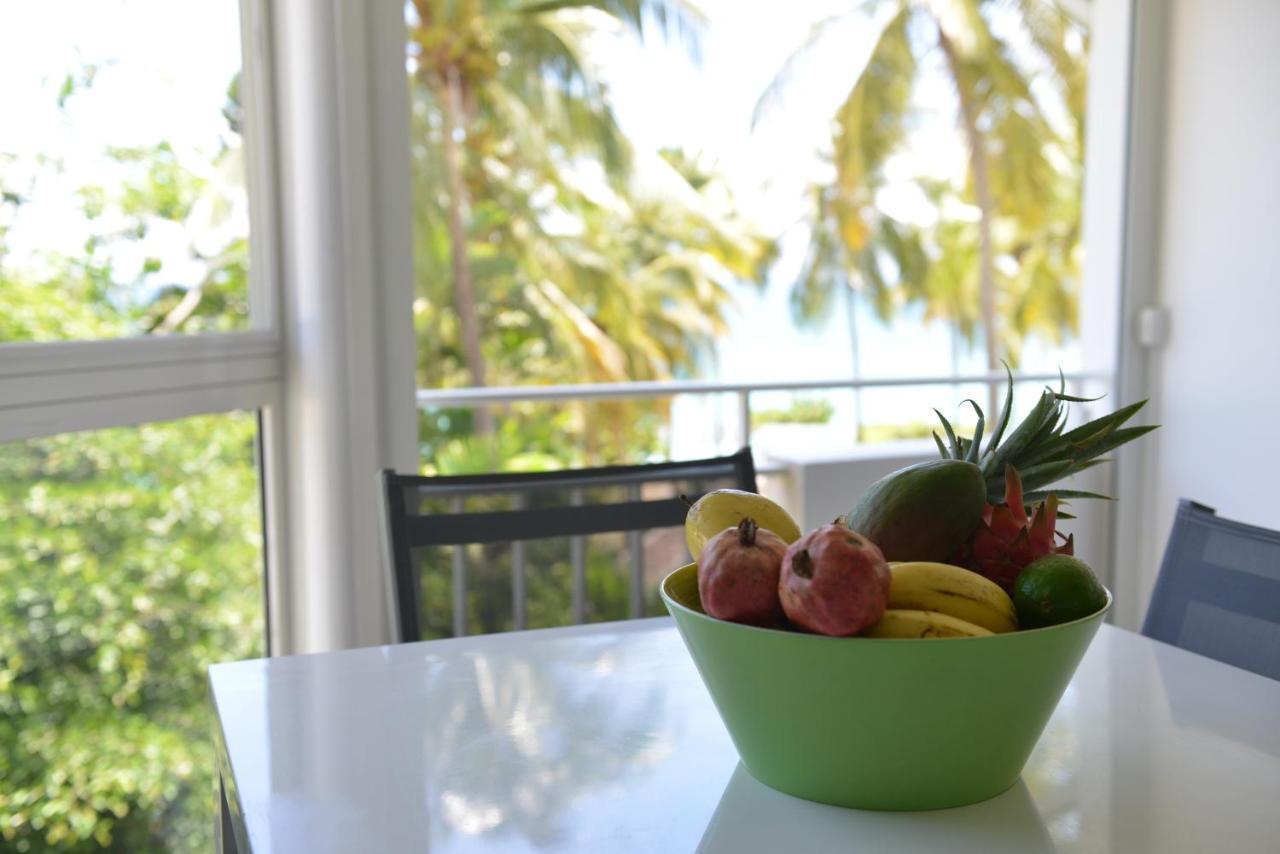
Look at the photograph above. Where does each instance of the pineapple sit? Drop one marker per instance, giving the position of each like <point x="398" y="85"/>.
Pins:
<point x="1037" y="454"/>
<point x="1037" y="448"/>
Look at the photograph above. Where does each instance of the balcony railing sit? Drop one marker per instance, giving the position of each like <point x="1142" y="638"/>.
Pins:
<point x="467" y="397"/>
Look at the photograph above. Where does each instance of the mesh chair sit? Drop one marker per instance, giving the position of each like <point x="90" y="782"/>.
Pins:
<point x="508" y="519"/>
<point x="1218" y="592"/>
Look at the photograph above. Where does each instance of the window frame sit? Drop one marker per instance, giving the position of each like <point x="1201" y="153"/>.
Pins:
<point x="68" y="386"/>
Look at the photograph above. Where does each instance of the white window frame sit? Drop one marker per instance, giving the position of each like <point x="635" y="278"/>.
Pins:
<point x="331" y="335"/>
<point x="1135" y="543"/>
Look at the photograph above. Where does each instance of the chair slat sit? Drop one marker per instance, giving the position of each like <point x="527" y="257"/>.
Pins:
<point x="459" y="581"/>
<point x="519" y="594"/>
<point x="635" y="562"/>
<point x="505" y="526"/>
<point x="578" y="566"/>
<point x="718" y="468"/>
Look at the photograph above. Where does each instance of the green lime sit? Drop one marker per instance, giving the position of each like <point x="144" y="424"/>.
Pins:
<point x="1056" y="589"/>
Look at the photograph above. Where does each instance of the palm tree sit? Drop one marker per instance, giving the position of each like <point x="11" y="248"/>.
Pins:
<point x="489" y="62"/>
<point x="1022" y="171"/>
<point x="579" y="257"/>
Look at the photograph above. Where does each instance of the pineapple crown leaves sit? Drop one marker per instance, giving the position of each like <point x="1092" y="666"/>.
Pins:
<point x="1037" y="447"/>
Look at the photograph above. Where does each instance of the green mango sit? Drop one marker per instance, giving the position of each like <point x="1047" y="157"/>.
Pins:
<point x="922" y="512"/>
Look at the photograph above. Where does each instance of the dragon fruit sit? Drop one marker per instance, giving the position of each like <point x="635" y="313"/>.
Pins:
<point x="1007" y="539"/>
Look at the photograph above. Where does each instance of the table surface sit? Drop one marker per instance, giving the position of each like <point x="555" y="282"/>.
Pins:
<point x="603" y="738"/>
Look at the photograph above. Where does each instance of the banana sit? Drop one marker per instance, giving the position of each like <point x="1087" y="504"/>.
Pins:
<point x="905" y="623"/>
<point x="954" y="591"/>
<point x="725" y="508"/>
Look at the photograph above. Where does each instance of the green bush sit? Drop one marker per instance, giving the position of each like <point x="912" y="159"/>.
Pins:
<point x="801" y="411"/>
<point x="130" y="560"/>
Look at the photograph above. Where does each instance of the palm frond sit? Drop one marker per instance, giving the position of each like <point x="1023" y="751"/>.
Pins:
<point x="796" y="66"/>
<point x="679" y="22"/>
<point x="871" y="122"/>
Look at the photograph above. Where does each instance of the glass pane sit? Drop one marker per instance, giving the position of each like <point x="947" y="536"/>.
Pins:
<point x="123" y="208"/>
<point x="130" y="560"/>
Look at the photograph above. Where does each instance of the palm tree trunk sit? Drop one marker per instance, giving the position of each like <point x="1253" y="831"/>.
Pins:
<point x="986" y="208"/>
<point x="463" y="288"/>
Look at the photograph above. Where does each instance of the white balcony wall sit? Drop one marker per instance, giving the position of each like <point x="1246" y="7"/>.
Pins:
<point x="822" y="485"/>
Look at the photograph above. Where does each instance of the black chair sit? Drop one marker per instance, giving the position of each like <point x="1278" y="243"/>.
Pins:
<point x="1218" y="592"/>
<point x="517" y="508"/>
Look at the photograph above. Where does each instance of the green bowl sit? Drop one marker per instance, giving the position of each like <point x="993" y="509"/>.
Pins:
<point x="880" y="724"/>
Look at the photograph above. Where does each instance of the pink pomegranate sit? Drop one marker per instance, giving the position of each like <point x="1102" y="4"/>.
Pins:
<point x="834" y="581"/>
<point x="738" y="574"/>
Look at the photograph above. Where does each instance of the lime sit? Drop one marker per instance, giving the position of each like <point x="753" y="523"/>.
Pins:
<point x="1056" y="589"/>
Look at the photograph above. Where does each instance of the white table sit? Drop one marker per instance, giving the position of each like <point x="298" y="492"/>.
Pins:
<point x="603" y="739"/>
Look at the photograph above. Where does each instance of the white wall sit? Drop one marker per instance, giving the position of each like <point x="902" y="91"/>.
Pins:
<point x="1216" y="381"/>
<point x="821" y="485"/>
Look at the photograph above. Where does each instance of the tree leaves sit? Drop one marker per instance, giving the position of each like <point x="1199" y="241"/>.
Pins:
<point x="599" y="242"/>
<point x="130" y="560"/>
<point x="1034" y="170"/>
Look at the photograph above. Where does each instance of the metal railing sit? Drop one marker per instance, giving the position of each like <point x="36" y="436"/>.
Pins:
<point x="469" y="397"/>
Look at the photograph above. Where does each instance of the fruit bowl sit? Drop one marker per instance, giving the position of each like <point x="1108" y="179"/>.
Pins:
<point x="881" y="724"/>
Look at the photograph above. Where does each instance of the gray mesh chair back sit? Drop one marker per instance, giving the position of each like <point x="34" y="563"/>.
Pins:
<point x="1218" y="592"/>
<point x="453" y="540"/>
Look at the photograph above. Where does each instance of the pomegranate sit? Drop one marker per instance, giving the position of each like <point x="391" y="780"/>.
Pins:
<point x="738" y="574"/>
<point x="834" y="581"/>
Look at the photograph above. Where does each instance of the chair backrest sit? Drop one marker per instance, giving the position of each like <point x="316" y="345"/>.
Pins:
<point x="520" y="509"/>
<point x="1218" y="592"/>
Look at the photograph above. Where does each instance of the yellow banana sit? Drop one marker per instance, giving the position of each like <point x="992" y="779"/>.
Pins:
<point x="905" y="623"/>
<point x="725" y="508"/>
<point x="954" y="591"/>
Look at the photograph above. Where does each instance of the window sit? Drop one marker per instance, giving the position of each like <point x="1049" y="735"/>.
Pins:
<point x="122" y="174"/>
<point x="130" y="560"/>
<point x="139" y="399"/>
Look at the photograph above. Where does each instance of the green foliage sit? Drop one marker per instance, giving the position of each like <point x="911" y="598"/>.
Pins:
<point x="590" y="261"/>
<point x="549" y="586"/>
<point x="130" y="561"/>
<point x="801" y="411"/>
<point x="531" y="436"/>
<point x="130" y="558"/>
<point x="871" y="433"/>
<point x="1035" y="172"/>
<point x="101" y="292"/>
